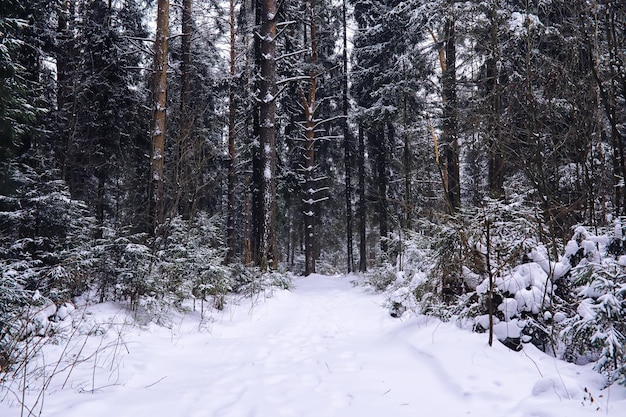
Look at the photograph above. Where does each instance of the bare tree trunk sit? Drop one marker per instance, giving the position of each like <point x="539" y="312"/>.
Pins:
<point x="267" y="137"/>
<point x="450" y="130"/>
<point x="487" y="226"/>
<point x="159" y="104"/>
<point x="256" y="181"/>
<point x="384" y="139"/>
<point x="496" y="158"/>
<point x="406" y="162"/>
<point x="616" y="52"/>
<point x="232" y="174"/>
<point x="183" y="171"/>
<point x="346" y="144"/>
<point x="67" y="87"/>
<point x="310" y="188"/>
<point x="362" y="209"/>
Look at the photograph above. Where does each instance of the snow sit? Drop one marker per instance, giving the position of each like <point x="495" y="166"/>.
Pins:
<point x="508" y="329"/>
<point x="522" y="277"/>
<point x="585" y="310"/>
<point x="519" y="23"/>
<point x="509" y="308"/>
<point x="555" y="269"/>
<point x="326" y="348"/>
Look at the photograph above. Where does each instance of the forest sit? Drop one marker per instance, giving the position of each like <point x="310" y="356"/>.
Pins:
<point x="466" y="157"/>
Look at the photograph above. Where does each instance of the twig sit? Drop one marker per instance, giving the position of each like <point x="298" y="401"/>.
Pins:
<point x="154" y="383"/>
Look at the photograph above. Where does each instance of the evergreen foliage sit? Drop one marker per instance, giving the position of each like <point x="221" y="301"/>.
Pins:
<point x="597" y="330"/>
<point x="488" y="131"/>
<point x="19" y="104"/>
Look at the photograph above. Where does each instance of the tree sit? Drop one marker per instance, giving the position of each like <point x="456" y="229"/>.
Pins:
<point x="309" y="107"/>
<point x="159" y="105"/>
<point x="268" y="256"/>
<point x="346" y="138"/>
<point x="449" y="137"/>
<point x="19" y="75"/>
<point x="388" y="72"/>
<point x="100" y="118"/>
<point x="495" y="142"/>
<point x="183" y="171"/>
<point x="362" y="210"/>
<point x="232" y="154"/>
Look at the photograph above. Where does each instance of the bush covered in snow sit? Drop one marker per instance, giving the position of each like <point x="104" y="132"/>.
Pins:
<point x="44" y="250"/>
<point x="567" y="299"/>
<point x="597" y="330"/>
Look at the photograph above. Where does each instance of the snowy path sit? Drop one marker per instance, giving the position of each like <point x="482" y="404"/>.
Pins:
<point x="324" y="349"/>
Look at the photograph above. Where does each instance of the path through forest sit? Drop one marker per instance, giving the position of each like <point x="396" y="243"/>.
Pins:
<point x="324" y="349"/>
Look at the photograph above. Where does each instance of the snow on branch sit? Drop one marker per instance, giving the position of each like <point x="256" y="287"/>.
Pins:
<point x="292" y="54"/>
<point x="291" y="79"/>
<point x="311" y="201"/>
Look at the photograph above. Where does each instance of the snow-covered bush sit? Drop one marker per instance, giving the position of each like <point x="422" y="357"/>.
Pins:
<point x="13" y="298"/>
<point x="382" y="277"/>
<point x="471" y="249"/>
<point x="572" y="304"/>
<point x="46" y="234"/>
<point x="45" y="253"/>
<point x="597" y="331"/>
<point x="184" y="263"/>
<point x="192" y="258"/>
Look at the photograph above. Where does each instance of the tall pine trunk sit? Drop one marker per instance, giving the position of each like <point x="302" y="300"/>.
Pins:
<point x="267" y="132"/>
<point x="232" y="173"/>
<point x="310" y="188"/>
<point x="346" y="143"/>
<point x="256" y="181"/>
<point x="362" y="213"/>
<point x="185" y="147"/>
<point x="450" y="134"/>
<point x="496" y="157"/>
<point x="159" y="105"/>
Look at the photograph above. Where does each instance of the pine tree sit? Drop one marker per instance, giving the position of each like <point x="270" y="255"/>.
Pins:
<point x="159" y="105"/>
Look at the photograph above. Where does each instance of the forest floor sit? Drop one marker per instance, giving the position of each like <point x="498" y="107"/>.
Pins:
<point x="323" y="349"/>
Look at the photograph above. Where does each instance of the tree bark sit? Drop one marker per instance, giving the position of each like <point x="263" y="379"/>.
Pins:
<point x="450" y="129"/>
<point x="382" y="140"/>
<point x="183" y="171"/>
<point x="362" y="209"/>
<point x="232" y="173"/>
<point x="257" y="182"/>
<point x="267" y="137"/>
<point x="309" y="106"/>
<point x="496" y="158"/>
<point x="346" y="144"/>
<point x="159" y="105"/>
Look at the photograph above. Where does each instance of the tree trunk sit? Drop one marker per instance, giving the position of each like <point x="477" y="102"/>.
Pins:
<point x="383" y="140"/>
<point x="496" y="158"/>
<point x="450" y="130"/>
<point x="101" y="175"/>
<point x="310" y="188"/>
<point x="346" y="143"/>
<point x="159" y="104"/>
<point x="267" y="137"/>
<point x="616" y="52"/>
<point x="66" y="87"/>
<point x="406" y="162"/>
<point x="362" y="209"/>
<point x="257" y="182"/>
<point x="183" y="171"/>
<point x="232" y="173"/>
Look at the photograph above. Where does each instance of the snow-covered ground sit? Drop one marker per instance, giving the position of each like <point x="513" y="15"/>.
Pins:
<point x="324" y="349"/>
